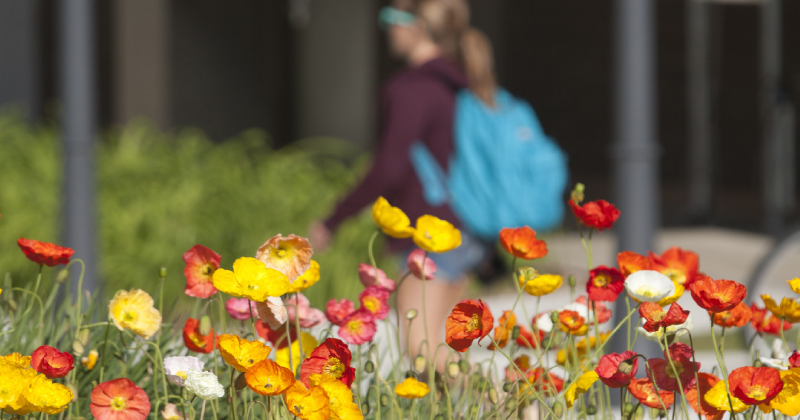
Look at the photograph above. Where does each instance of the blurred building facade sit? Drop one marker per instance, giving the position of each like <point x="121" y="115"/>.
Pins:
<point x="298" y="68"/>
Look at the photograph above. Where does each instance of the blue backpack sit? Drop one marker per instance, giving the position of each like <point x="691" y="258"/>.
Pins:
<point x="505" y="171"/>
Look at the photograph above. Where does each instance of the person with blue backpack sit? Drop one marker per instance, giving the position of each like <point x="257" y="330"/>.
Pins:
<point x="456" y="146"/>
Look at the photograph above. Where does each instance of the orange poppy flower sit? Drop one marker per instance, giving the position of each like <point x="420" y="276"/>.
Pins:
<point x="331" y="358"/>
<point x="195" y="340"/>
<point x="201" y="263"/>
<point x="717" y="295"/>
<point x="679" y="265"/>
<point x="755" y="385"/>
<point x="630" y="262"/>
<point x="572" y="322"/>
<point x="469" y="319"/>
<point x="522" y="243"/>
<point x="598" y="214"/>
<point x="307" y="404"/>
<point x="764" y="322"/>
<point x="119" y="399"/>
<point x="707" y="381"/>
<point x="241" y="353"/>
<point x="503" y="330"/>
<point x="657" y="318"/>
<point x="605" y="284"/>
<point x="45" y="253"/>
<point x="268" y="378"/>
<point x="679" y="373"/>
<point x="739" y="316"/>
<point x="52" y="362"/>
<point x="643" y="390"/>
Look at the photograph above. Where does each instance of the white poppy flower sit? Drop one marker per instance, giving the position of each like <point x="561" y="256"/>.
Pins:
<point x="649" y="286"/>
<point x="176" y="368"/>
<point x="204" y="384"/>
<point x="778" y="349"/>
<point x="272" y="311"/>
<point x="544" y="322"/>
<point x="658" y="335"/>
<point x="779" y="359"/>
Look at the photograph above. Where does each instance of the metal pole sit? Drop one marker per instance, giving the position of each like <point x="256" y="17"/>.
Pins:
<point x="699" y="94"/>
<point x="772" y="155"/>
<point x="635" y="151"/>
<point x="78" y="129"/>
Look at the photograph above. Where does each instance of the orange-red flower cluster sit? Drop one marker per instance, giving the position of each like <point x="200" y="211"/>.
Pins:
<point x="469" y="320"/>
<point x="657" y="318"/>
<point x="598" y="214"/>
<point x="201" y="263"/>
<point x="51" y="362"/>
<point x="522" y="243"/>
<point x="717" y="295"/>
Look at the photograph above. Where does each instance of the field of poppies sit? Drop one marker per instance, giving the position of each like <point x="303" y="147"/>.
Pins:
<point x="254" y="347"/>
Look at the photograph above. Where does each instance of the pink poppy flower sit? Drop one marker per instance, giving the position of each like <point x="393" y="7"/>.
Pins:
<point x="119" y="399"/>
<point x="376" y="300"/>
<point x="417" y="263"/>
<point x="358" y="327"/>
<point x="337" y="311"/>
<point x="308" y="316"/>
<point x="201" y="263"/>
<point x="272" y="312"/>
<point x="373" y="276"/>
<point x="238" y="308"/>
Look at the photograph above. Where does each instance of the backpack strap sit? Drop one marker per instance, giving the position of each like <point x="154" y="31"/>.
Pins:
<point x="429" y="173"/>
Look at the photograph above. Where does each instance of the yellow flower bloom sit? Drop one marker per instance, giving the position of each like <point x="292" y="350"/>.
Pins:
<point x="282" y="355"/>
<point x="411" y="388"/>
<point x="795" y="285"/>
<point x="788" y="310"/>
<point x="581" y="386"/>
<point x="307" y="279"/>
<point x="267" y="378"/>
<point x="679" y="289"/>
<point x="436" y="235"/>
<point x="251" y="279"/>
<point x="581" y="348"/>
<point x="134" y="310"/>
<point x="291" y="255"/>
<point x="540" y="285"/>
<point x="17" y="359"/>
<point x="788" y="400"/>
<point x="48" y="397"/>
<point x="15" y="383"/>
<point x="308" y="404"/>
<point x="718" y="398"/>
<point x="241" y="353"/>
<point x="339" y="395"/>
<point x="391" y="220"/>
<point x="89" y="361"/>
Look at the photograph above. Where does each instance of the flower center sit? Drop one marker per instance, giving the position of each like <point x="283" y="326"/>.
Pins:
<point x="675" y="275"/>
<point x="129" y="316"/>
<point x="354" y="326"/>
<point x="197" y="339"/>
<point x="182" y="374"/>
<point x="333" y="367"/>
<point x="299" y="408"/>
<point x="647" y="291"/>
<point x="207" y="270"/>
<point x="757" y="393"/>
<point x="474" y="323"/>
<point x="372" y="304"/>
<point x="676" y="371"/>
<point x="658" y="315"/>
<point x="118" y="404"/>
<point x="601" y="281"/>
<point x="281" y="253"/>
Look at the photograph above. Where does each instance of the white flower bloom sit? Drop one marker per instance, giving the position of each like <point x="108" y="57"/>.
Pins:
<point x="171" y="412"/>
<point x="780" y="364"/>
<point x="649" y="286"/>
<point x="204" y="384"/>
<point x="658" y="336"/>
<point x="544" y="322"/>
<point x="778" y="350"/>
<point x="177" y="367"/>
<point x="272" y="311"/>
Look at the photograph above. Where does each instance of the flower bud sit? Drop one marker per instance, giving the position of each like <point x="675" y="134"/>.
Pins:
<point x="62" y="275"/>
<point x="625" y="367"/>
<point x="515" y="332"/>
<point x="463" y="365"/>
<point x="77" y="347"/>
<point x="558" y="409"/>
<point x="577" y="193"/>
<point x="385" y="400"/>
<point x="411" y="314"/>
<point x="627" y="409"/>
<point x="453" y="370"/>
<point x="205" y="325"/>
<point x="662" y="414"/>
<point x="420" y="364"/>
<point x="527" y="274"/>
<point x="591" y="410"/>
<point x="241" y="383"/>
<point x="554" y="317"/>
<point x="162" y="272"/>
<point x="369" y="367"/>
<point x="507" y="386"/>
<point x="365" y="407"/>
<point x="639" y="413"/>
<point x="493" y="397"/>
<point x="571" y="280"/>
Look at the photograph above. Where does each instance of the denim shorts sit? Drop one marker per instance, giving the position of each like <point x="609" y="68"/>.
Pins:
<point x="452" y="266"/>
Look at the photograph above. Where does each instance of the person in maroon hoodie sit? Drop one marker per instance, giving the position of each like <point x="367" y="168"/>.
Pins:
<point x="443" y="55"/>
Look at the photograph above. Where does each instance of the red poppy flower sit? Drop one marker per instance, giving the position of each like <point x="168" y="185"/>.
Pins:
<point x="609" y="371"/>
<point x="794" y="359"/>
<point x="196" y="341"/>
<point x="657" y="318"/>
<point x="522" y="243"/>
<point x="630" y="262"/>
<point x="119" y="399"/>
<point x="679" y="265"/>
<point x="201" y="263"/>
<point x="376" y="300"/>
<point x="605" y="284"/>
<point x="51" y="362"/>
<point x="717" y="295"/>
<point x="739" y="316"/>
<point x="643" y="390"/>
<point x="526" y="338"/>
<point x="755" y="385"/>
<point x="706" y="382"/>
<point x="544" y="381"/>
<point x="336" y="311"/>
<point x="598" y="214"/>
<point x="503" y="330"/>
<point x="764" y="322"/>
<point x="358" y="327"/>
<point x="332" y="358"/>
<point x="279" y="337"/>
<point x="682" y="369"/>
<point x="469" y="319"/>
<point x="572" y="322"/>
<point x="45" y="253"/>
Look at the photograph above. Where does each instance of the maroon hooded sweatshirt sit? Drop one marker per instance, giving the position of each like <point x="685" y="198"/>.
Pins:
<point x="416" y="104"/>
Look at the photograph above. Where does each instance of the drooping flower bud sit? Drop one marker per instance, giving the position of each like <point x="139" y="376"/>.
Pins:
<point x="205" y="325"/>
<point x="577" y="193"/>
<point x="411" y="314"/>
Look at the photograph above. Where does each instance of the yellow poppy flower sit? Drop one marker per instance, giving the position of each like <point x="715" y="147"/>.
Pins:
<point x="48" y="397"/>
<point x="540" y="285"/>
<point x="17" y="359"/>
<point x="718" y="398"/>
<point x="788" y="400"/>
<point x="679" y="289"/>
<point x="268" y="378"/>
<point x="90" y="360"/>
<point x="134" y="310"/>
<point x="789" y="309"/>
<point x="307" y="279"/>
<point x="795" y="285"/>
<point x="391" y="220"/>
<point x="241" y="353"/>
<point x="339" y="395"/>
<point x="282" y="355"/>
<point x="581" y="386"/>
<point x="411" y="388"/>
<point x="15" y="383"/>
<point x="308" y="404"/>
<point x="436" y="235"/>
<point x="251" y="279"/>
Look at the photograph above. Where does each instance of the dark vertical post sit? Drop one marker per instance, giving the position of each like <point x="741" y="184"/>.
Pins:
<point x="19" y="64"/>
<point x="699" y="106"/>
<point x="77" y="86"/>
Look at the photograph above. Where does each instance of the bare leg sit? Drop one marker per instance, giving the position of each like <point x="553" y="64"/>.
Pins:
<point x="440" y="298"/>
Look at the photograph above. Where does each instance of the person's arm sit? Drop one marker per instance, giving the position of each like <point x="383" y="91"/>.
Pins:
<point x="403" y="123"/>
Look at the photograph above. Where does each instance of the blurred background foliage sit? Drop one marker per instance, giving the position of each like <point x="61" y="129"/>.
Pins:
<point x="161" y="193"/>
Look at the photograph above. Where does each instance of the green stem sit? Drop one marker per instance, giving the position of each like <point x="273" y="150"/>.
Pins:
<point x="723" y="370"/>
<point x="233" y="394"/>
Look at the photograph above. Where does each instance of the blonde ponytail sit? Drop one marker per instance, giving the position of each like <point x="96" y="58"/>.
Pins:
<point x="478" y="62"/>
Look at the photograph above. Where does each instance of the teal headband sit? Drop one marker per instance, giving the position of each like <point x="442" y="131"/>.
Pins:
<point x="390" y="16"/>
